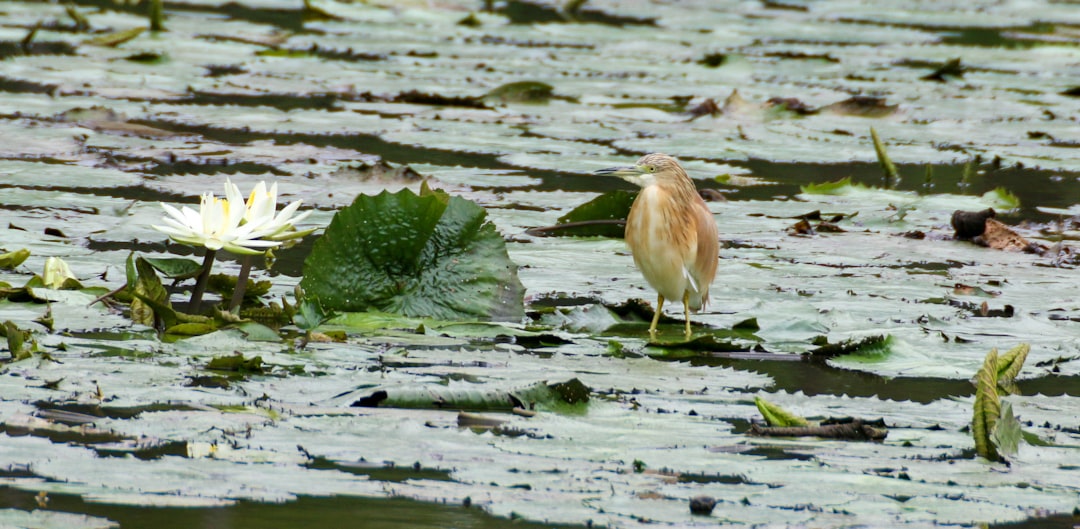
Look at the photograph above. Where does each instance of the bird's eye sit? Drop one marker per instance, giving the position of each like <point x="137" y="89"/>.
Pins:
<point x="650" y="168"/>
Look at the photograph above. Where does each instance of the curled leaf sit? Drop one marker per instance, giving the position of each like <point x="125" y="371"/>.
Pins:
<point x="776" y="416"/>
<point x="1009" y="366"/>
<point x="10" y="260"/>
<point x="987" y="407"/>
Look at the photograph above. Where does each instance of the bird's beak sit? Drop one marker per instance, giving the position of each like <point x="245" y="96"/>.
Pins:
<point x="621" y="172"/>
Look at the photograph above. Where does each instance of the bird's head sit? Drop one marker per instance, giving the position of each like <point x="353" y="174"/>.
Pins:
<point x="650" y="169"/>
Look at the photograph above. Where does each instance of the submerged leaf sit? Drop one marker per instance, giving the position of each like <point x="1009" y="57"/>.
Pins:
<point x="987" y="407"/>
<point x="426" y="256"/>
<point x="236" y="363"/>
<point x="520" y="92"/>
<point x="839" y="187"/>
<point x="951" y="69"/>
<point x="776" y="416"/>
<point x="116" y="38"/>
<point x="863" y="106"/>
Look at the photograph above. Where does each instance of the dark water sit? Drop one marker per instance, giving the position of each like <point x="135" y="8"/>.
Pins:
<point x="337" y="512"/>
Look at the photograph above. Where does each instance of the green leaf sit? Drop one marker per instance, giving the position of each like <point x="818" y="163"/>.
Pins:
<point x="149" y="293"/>
<point x="869" y="348"/>
<point x="1009" y="366"/>
<point x="310" y="314"/>
<point x="613" y="205"/>
<point x="236" y="363"/>
<point x="10" y="260"/>
<point x="16" y="341"/>
<point x="1001" y="198"/>
<point x="191" y="329"/>
<point x="257" y="332"/>
<point x="892" y="177"/>
<point x="776" y="416"/>
<point x="987" y="407"/>
<point x="1006" y="433"/>
<point x="175" y="268"/>
<point x="130" y="272"/>
<point x="417" y="256"/>
<point x="225" y="285"/>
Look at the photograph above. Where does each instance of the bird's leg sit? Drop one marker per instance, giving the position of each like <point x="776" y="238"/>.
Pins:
<point x="656" y="316"/>
<point x="686" y="311"/>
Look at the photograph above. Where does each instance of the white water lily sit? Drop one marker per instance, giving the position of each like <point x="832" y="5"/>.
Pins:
<point x="220" y="224"/>
<point x="261" y="210"/>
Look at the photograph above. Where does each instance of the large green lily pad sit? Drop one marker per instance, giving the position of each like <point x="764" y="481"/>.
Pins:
<point x="431" y="255"/>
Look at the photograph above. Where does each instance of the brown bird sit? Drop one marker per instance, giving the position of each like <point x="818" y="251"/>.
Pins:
<point x="671" y="233"/>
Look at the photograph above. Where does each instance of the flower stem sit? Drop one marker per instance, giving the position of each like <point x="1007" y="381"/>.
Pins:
<point x="195" y="305"/>
<point x="241" y="284"/>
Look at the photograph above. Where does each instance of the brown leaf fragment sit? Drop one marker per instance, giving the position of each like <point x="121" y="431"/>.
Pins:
<point x="861" y="106"/>
<point x="964" y="290"/>
<point x="1001" y="237"/>
<point x="421" y="98"/>
<point x="713" y="60"/>
<point x="951" y="69"/>
<point x="380" y="171"/>
<point x="969" y="224"/>
<point x="855" y="430"/>
<point x="705" y="108"/>
<point x="473" y="420"/>
<point x="828" y="227"/>
<point x="792" y="104"/>
<point x="712" y="195"/>
<point x="802" y="227"/>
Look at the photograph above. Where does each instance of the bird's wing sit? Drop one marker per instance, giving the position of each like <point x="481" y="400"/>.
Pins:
<point x="708" y="246"/>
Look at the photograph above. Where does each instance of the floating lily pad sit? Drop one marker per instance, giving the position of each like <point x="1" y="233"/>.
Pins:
<point x="431" y="255"/>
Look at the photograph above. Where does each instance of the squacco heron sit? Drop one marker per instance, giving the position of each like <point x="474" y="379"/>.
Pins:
<point x="671" y="233"/>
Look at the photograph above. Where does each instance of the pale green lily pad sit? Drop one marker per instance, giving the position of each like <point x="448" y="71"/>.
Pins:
<point x="44" y="519"/>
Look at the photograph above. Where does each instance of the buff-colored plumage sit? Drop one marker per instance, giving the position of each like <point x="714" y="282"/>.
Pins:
<point x="671" y="233"/>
